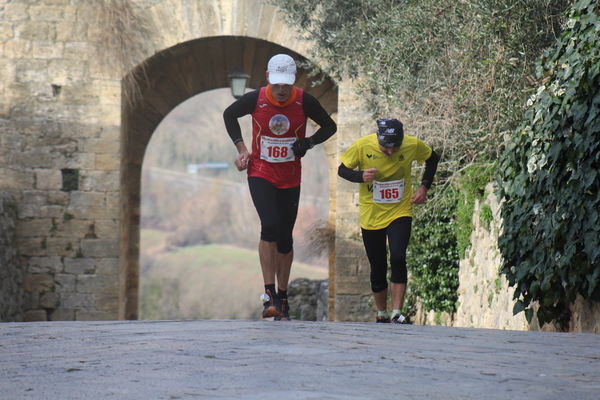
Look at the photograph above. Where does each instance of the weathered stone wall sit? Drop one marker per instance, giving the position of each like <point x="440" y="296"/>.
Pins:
<point x="308" y="299"/>
<point x="485" y="299"/>
<point x="585" y="316"/>
<point x="351" y="287"/>
<point x="59" y="158"/>
<point x="11" y="277"/>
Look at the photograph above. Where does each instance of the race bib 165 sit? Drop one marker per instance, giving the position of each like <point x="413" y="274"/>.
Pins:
<point x="388" y="192"/>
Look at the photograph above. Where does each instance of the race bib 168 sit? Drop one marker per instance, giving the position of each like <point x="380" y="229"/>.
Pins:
<point x="276" y="150"/>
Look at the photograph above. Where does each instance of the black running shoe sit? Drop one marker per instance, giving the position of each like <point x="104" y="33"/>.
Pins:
<point x="400" y="319"/>
<point x="382" y="320"/>
<point x="270" y="304"/>
<point x="285" y="310"/>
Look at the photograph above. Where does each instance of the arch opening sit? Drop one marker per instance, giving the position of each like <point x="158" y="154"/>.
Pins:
<point x="199" y="228"/>
<point x="171" y="77"/>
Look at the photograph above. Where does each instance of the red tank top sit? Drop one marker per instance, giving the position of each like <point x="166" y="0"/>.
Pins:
<point x="274" y="130"/>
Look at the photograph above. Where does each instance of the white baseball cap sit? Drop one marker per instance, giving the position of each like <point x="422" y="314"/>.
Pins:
<point x="282" y="70"/>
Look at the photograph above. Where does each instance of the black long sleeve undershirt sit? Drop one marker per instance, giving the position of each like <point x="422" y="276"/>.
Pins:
<point x="430" y="169"/>
<point x="247" y="103"/>
<point x="351" y="175"/>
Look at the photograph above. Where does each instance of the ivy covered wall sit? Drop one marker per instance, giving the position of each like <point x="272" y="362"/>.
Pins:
<point x="549" y="178"/>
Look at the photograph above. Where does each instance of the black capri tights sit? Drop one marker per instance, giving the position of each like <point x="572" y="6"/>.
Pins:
<point x="277" y="210"/>
<point x="398" y="234"/>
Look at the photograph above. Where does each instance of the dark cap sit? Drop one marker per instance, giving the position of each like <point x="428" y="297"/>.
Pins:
<point x="389" y="132"/>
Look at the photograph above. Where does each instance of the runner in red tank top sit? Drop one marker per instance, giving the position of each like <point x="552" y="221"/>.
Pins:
<point x="279" y="112"/>
<point x="275" y="128"/>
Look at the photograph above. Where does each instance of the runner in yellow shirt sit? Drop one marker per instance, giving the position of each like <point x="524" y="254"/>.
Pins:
<point x="381" y="164"/>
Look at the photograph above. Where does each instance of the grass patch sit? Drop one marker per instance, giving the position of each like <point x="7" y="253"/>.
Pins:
<point x="486" y="216"/>
<point x="204" y="281"/>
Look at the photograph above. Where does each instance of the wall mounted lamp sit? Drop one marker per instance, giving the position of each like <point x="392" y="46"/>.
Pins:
<point x="237" y="82"/>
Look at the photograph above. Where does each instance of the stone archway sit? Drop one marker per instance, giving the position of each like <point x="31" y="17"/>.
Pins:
<point x="169" y="78"/>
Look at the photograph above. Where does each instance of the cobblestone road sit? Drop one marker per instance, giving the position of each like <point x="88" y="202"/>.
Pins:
<point x="295" y="360"/>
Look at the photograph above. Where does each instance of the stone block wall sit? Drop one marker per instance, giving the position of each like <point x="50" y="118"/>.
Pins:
<point x="11" y="275"/>
<point x="59" y="159"/>
<point x="308" y="299"/>
<point x="485" y="300"/>
<point x="350" y="292"/>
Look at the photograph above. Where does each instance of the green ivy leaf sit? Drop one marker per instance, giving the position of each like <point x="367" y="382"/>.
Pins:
<point x="518" y="307"/>
<point x="529" y="315"/>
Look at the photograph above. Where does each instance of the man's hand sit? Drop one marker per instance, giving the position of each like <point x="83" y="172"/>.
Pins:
<point x="241" y="161"/>
<point x="301" y="146"/>
<point x="369" y="174"/>
<point x="420" y="196"/>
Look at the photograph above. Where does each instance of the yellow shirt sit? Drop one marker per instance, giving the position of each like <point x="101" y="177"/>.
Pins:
<point x="389" y="196"/>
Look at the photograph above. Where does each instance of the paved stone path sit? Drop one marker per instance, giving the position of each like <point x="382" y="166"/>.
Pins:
<point x="266" y="360"/>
